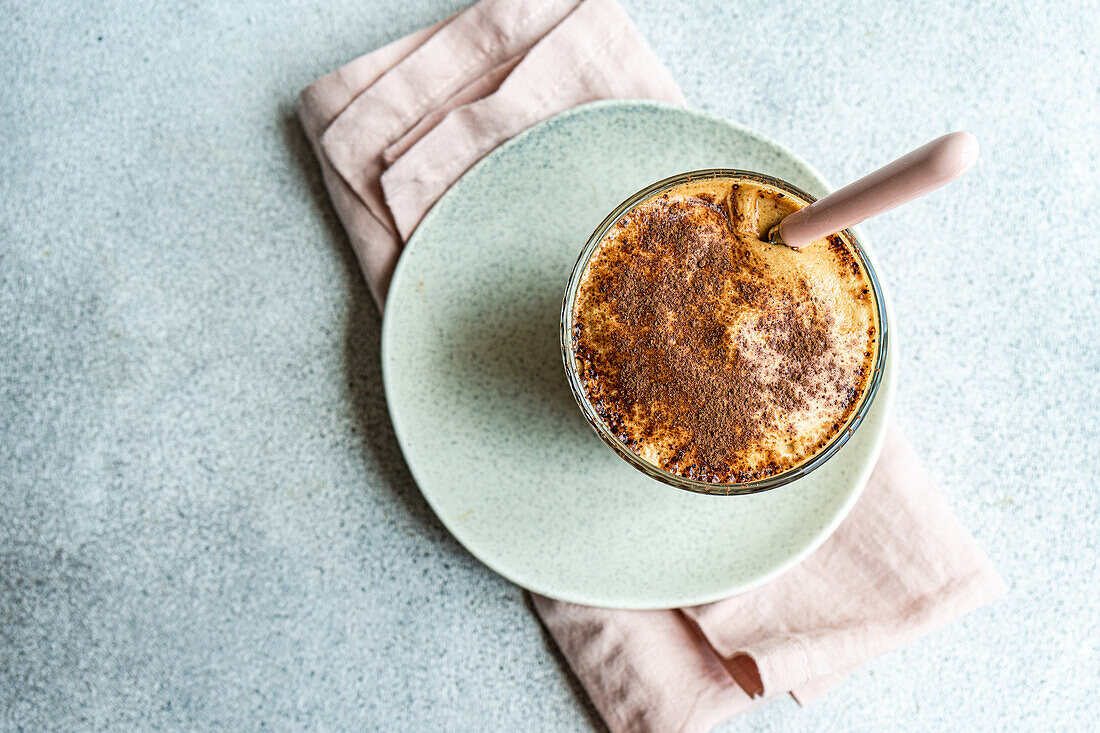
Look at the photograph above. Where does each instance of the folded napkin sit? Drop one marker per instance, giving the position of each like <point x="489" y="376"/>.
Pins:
<point x="392" y="130"/>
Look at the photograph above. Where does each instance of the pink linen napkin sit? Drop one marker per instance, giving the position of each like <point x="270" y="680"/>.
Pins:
<point x="392" y="130"/>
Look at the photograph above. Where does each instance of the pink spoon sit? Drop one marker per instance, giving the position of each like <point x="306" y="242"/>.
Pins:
<point x="914" y="174"/>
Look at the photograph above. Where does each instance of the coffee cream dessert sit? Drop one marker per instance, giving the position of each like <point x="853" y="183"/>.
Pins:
<point x="713" y="354"/>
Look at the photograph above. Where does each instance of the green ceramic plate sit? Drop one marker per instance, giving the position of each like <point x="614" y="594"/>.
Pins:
<point x="481" y="405"/>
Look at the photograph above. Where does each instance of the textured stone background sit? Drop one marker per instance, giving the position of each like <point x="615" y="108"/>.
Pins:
<point x="205" y="520"/>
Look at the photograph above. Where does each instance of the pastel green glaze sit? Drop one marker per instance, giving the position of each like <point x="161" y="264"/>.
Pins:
<point x="480" y="401"/>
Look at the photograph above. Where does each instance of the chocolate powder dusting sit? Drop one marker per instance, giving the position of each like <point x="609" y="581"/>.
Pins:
<point x="711" y="353"/>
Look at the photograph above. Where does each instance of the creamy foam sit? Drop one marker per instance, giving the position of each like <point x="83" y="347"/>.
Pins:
<point x="713" y="354"/>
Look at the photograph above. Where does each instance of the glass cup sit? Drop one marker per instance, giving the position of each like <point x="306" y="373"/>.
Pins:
<point x="656" y="472"/>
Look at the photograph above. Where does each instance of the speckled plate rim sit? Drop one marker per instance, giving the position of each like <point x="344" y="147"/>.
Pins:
<point x="882" y="406"/>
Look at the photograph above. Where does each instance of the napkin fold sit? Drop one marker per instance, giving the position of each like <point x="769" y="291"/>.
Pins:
<point x="392" y="130"/>
<point x="395" y="128"/>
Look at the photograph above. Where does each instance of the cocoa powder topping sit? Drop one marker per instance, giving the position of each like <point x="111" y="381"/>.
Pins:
<point x="708" y="352"/>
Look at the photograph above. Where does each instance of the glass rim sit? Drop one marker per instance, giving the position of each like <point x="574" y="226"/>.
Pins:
<point x="656" y="472"/>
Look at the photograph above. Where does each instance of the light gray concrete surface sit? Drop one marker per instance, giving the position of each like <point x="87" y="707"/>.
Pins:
<point x="205" y="520"/>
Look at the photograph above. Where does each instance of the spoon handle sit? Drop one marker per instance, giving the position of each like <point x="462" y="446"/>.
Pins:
<point x="914" y="174"/>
